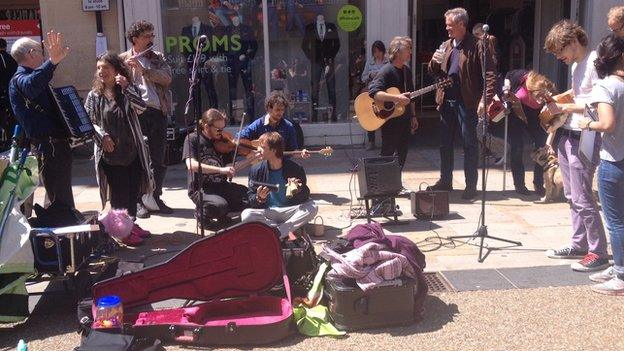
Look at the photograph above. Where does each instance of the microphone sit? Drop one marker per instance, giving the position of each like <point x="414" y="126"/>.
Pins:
<point x="506" y="91"/>
<point x="486" y="28"/>
<point x="203" y="39"/>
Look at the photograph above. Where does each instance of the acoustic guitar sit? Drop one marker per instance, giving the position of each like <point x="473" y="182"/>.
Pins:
<point x="373" y="114"/>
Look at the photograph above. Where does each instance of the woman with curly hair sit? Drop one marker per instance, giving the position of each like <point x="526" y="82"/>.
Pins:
<point x="121" y="157"/>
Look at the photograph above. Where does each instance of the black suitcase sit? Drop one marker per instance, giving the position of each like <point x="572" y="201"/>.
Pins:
<point x="351" y="308"/>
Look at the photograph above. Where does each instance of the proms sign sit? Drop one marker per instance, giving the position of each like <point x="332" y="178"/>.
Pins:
<point x="216" y="43"/>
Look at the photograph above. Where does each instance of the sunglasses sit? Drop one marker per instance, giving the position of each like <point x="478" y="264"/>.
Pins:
<point x="219" y="130"/>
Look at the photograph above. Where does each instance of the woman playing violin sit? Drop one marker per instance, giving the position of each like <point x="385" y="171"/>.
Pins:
<point x="219" y="195"/>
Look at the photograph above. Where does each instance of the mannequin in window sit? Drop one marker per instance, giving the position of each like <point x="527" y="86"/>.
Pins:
<point x="239" y="63"/>
<point x="192" y="32"/>
<point x="320" y="45"/>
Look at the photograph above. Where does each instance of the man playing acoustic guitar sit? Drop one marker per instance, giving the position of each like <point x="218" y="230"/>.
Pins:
<point x="395" y="133"/>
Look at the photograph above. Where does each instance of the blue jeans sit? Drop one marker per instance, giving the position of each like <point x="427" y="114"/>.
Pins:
<point x="611" y="191"/>
<point x="454" y="114"/>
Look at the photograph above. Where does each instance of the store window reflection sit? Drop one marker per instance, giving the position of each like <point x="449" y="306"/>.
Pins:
<point x="231" y="64"/>
<point x="310" y="56"/>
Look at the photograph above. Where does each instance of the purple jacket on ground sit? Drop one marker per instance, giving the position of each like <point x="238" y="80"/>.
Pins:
<point x="362" y="234"/>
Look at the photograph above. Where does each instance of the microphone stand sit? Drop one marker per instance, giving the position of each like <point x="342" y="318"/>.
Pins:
<point x="194" y="96"/>
<point x="482" y="231"/>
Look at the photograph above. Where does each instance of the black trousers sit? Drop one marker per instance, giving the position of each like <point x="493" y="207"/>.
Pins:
<point x="124" y="183"/>
<point x="55" y="167"/>
<point x="238" y="68"/>
<point x="219" y="199"/>
<point x="318" y="71"/>
<point x="395" y="138"/>
<point x="154" y="127"/>
<point x="516" y="149"/>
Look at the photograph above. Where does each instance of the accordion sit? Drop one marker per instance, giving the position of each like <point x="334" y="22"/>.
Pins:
<point x="73" y="112"/>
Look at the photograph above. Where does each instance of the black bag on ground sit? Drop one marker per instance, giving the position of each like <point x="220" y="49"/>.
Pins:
<point x="55" y="216"/>
<point x="104" y="341"/>
<point x="301" y="263"/>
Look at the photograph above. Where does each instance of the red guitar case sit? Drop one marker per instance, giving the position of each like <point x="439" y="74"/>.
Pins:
<point x="228" y="275"/>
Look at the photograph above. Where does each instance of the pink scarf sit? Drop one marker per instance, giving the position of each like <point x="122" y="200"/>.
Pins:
<point x="526" y="98"/>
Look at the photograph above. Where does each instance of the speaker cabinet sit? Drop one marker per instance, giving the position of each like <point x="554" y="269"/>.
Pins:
<point x="379" y="176"/>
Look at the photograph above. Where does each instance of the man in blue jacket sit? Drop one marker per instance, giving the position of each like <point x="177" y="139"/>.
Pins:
<point x="274" y="121"/>
<point x="34" y="107"/>
<point x="290" y="206"/>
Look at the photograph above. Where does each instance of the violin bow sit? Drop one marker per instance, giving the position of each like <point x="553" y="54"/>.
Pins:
<point x="240" y="128"/>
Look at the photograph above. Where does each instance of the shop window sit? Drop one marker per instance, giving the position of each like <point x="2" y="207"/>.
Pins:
<point x="317" y="55"/>
<point x="231" y="64"/>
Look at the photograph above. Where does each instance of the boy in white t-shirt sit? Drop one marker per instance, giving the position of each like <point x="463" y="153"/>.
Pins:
<point x="568" y="42"/>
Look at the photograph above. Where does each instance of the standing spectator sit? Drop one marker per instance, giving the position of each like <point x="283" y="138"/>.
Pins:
<point x="615" y="20"/>
<point x="608" y="98"/>
<point x="568" y="42"/>
<point x="527" y="90"/>
<point x="372" y="67"/>
<point x="460" y="58"/>
<point x="152" y="75"/>
<point x="31" y="99"/>
<point x="121" y="156"/>
<point x="8" y="66"/>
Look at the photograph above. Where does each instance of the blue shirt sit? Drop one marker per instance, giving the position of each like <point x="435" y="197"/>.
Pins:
<point x="34" y="84"/>
<point x="277" y="199"/>
<point x="261" y="126"/>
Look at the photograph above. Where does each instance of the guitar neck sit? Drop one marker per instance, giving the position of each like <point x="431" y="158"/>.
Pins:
<point x="296" y="152"/>
<point x="423" y="91"/>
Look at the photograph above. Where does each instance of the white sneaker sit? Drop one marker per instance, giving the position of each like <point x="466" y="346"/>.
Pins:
<point x="614" y="286"/>
<point x="603" y="276"/>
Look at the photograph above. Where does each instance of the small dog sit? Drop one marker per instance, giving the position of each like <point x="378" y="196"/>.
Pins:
<point x="553" y="180"/>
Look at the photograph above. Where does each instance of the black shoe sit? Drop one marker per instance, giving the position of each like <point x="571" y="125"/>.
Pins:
<point x="539" y="190"/>
<point x="142" y="212"/>
<point x="469" y="194"/>
<point x="522" y="190"/>
<point x="439" y="185"/>
<point x="162" y="207"/>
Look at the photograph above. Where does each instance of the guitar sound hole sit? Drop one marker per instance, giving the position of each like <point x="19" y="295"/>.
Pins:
<point x="388" y="105"/>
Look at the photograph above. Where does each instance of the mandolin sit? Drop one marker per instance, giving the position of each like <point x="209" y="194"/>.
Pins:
<point x="373" y="114"/>
<point x="547" y="118"/>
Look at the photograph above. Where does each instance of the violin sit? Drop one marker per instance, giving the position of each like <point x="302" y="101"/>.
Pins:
<point x="228" y="143"/>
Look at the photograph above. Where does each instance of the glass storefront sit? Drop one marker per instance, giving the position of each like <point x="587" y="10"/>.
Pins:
<point x="314" y="53"/>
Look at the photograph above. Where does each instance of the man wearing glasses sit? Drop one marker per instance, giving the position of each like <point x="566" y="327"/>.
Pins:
<point x="569" y="43"/>
<point x="219" y="195"/>
<point x="36" y="112"/>
<point x="152" y="74"/>
<point x="615" y="20"/>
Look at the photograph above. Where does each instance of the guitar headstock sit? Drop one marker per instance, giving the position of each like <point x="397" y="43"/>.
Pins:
<point x="444" y="83"/>
<point x="326" y="151"/>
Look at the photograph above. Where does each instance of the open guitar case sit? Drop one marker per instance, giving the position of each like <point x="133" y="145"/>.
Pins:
<point x="228" y="277"/>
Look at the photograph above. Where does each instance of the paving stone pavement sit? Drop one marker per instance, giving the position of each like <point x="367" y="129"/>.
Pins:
<point x="520" y="312"/>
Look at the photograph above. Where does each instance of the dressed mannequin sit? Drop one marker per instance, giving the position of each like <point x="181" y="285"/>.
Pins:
<point x="321" y="45"/>
<point x="192" y="31"/>
<point x="239" y="63"/>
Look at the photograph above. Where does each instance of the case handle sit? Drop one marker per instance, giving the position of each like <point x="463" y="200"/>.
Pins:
<point x="421" y="184"/>
<point x="187" y="336"/>
<point x="361" y="305"/>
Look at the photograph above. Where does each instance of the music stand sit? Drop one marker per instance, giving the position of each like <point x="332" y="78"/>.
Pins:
<point x="482" y="231"/>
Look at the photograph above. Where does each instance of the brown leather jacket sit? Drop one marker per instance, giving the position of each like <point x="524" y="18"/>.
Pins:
<point x="470" y="73"/>
<point x="159" y="74"/>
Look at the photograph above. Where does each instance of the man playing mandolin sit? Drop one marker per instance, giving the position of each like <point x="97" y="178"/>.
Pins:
<point x="395" y="133"/>
<point x="219" y="195"/>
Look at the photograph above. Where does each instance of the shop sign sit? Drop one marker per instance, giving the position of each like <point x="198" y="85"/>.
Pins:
<point x="95" y="5"/>
<point x="12" y="30"/>
<point x="349" y="18"/>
